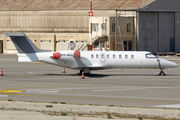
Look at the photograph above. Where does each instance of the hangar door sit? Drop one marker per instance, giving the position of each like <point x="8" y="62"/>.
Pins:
<point x="10" y="45"/>
<point x="156" y="31"/>
<point x="45" y="44"/>
<point x="80" y="45"/>
<point x="62" y="45"/>
<point x="166" y="32"/>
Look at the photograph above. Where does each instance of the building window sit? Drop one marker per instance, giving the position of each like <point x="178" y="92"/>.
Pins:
<point x="120" y="56"/>
<point x="108" y="56"/>
<point x="96" y="46"/>
<point x="114" y="56"/>
<point x="128" y="45"/>
<point x="95" y="27"/>
<point x="97" y="56"/>
<point x="92" y="56"/>
<point x="102" y="44"/>
<point x="129" y="27"/>
<point x="126" y="56"/>
<point x="125" y="45"/>
<point x="113" y="27"/>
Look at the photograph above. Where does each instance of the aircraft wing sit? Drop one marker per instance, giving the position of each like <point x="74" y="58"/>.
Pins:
<point x="79" y="62"/>
<point x="91" y="67"/>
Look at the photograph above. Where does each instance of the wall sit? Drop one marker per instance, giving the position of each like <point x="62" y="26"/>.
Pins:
<point x="67" y="25"/>
<point x="126" y="36"/>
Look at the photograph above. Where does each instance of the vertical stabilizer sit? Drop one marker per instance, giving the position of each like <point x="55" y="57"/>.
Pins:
<point x="23" y="44"/>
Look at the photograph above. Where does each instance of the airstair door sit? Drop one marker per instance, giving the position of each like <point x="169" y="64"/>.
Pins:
<point x="103" y="57"/>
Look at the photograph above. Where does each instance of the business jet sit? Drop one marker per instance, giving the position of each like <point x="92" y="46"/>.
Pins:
<point x="88" y="60"/>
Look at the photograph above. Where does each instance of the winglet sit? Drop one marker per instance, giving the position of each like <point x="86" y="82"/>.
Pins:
<point x="79" y="62"/>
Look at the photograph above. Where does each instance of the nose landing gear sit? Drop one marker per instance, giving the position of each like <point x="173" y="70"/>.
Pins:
<point x="162" y="73"/>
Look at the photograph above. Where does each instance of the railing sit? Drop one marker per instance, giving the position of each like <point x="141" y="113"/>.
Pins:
<point x="95" y="37"/>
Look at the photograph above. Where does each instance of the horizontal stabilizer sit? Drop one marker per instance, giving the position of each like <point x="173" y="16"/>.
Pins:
<point x="27" y="58"/>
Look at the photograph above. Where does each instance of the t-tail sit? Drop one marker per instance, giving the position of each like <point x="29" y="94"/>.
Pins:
<point x="27" y="50"/>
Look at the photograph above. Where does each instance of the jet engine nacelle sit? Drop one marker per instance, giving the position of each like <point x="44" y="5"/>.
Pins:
<point x="67" y="55"/>
<point x="56" y="55"/>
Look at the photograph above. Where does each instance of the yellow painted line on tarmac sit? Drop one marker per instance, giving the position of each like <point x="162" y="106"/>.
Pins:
<point x="38" y="62"/>
<point x="10" y="91"/>
<point x="68" y="86"/>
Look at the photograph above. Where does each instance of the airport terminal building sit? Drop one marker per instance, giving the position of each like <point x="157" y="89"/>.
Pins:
<point x="144" y="25"/>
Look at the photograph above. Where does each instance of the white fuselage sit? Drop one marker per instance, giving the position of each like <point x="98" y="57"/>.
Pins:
<point x="100" y="59"/>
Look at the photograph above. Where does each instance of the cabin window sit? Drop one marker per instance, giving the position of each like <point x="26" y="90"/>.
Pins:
<point x="97" y="56"/>
<point x="92" y="56"/>
<point x="102" y="56"/>
<point x="120" y="56"/>
<point x="150" y="55"/>
<point x="132" y="56"/>
<point x="126" y="56"/>
<point x="108" y="56"/>
<point x="114" y="56"/>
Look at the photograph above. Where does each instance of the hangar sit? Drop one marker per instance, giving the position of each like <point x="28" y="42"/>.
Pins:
<point x="117" y="25"/>
<point x="159" y="26"/>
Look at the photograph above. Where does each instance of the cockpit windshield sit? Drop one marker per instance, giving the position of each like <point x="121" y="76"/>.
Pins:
<point x="150" y="55"/>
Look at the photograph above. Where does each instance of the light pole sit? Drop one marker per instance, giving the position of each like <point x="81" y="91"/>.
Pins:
<point x="91" y="14"/>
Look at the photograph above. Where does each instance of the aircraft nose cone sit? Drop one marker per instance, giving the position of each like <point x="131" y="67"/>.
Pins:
<point x="168" y="64"/>
<point x="172" y="64"/>
<point x="175" y="65"/>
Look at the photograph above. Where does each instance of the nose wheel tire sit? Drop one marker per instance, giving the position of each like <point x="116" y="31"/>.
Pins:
<point x="162" y="73"/>
<point x="161" y="69"/>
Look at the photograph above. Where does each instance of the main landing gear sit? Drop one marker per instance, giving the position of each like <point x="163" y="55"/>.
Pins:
<point x="162" y="73"/>
<point x="86" y="72"/>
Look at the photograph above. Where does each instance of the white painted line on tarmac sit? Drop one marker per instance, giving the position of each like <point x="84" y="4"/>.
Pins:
<point x="73" y="88"/>
<point x="168" y="106"/>
<point x="30" y="72"/>
<point x="137" y="88"/>
<point x="40" y="91"/>
<point x="40" y="78"/>
<point x="3" y="95"/>
<point x="120" y="97"/>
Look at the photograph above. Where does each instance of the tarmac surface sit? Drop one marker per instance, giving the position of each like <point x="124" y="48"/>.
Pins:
<point x="131" y="87"/>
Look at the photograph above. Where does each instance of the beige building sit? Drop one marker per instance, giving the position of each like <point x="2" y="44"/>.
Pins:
<point x="62" y="25"/>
